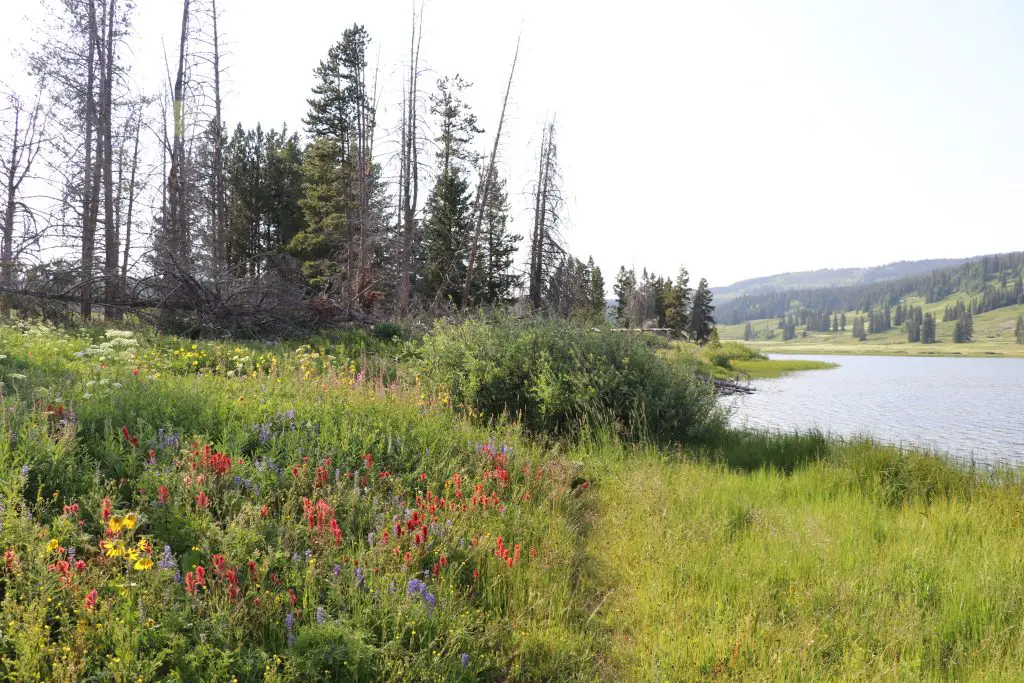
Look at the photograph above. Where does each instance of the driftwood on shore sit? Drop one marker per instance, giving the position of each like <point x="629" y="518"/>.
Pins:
<point x="728" y="387"/>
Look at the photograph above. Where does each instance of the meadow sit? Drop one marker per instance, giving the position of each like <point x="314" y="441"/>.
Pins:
<point x="993" y="336"/>
<point x="361" y="507"/>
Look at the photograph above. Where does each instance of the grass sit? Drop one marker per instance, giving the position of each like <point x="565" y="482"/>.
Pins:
<point x="732" y="360"/>
<point x="993" y="336"/>
<point x="852" y="566"/>
<point x="745" y="556"/>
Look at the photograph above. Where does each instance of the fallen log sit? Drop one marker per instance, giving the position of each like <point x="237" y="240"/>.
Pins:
<point x="729" y="387"/>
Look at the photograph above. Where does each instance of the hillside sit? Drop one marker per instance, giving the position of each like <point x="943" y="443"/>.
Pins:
<point x="831" y="277"/>
<point x="987" y="282"/>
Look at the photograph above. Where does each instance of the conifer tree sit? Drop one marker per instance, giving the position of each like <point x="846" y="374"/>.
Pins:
<point x="842" y="322"/>
<point x="597" y="304"/>
<point x="678" y="298"/>
<point x="748" y="332"/>
<point x="1019" y="332"/>
<point x="624" y="288"/>
<point x="928" y="329"/>
<point x="702" y="319"/>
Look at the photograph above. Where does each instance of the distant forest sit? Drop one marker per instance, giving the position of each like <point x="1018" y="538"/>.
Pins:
<point x="987" y="283"/>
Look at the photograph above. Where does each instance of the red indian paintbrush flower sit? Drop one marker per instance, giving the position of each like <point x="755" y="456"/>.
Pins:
<point x="91" y="598"/>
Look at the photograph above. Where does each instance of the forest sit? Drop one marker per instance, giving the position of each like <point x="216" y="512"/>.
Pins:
<point x="148" y="201"/>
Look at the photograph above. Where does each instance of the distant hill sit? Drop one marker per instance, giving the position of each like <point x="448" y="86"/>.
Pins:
<point x="984" y="282"/>
<point x="831" y="277"/>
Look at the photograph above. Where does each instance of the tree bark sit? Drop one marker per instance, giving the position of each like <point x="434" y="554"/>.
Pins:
<point x="111" y="227"/>
<point x="90" y="202"/>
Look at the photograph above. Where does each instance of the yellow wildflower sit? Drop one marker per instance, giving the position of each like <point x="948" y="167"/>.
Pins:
<point x="113" y="548"/>
<point x="132" y="554"/>
<point x="129" y="520"/>
<point x="144" y="564"/>
<point x="52" y="546"/>
<point x="115" y="524"/>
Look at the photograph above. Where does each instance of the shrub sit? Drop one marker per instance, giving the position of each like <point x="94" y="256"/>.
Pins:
<point x="558" y="379"/>
<point x="723" y="355"/>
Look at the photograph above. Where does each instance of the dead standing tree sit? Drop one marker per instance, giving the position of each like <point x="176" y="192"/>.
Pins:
<point x="545" y="239"/>
<point x="408" y="179"/>
<point x="484" y="192"/>
<point x="22" y="129"/>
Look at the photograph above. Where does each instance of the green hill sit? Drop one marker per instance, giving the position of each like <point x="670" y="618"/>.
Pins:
<point x="992" y="287"/>
<point x="831" y="277"/>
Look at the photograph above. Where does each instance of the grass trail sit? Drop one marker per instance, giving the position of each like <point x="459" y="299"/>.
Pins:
<point x="826" y="573"/>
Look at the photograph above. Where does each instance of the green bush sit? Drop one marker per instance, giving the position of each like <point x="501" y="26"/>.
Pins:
<point x="559" y="379"/>
<point x="722" y="355"/>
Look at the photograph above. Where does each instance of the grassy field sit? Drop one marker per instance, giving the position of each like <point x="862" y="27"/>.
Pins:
<point x="858" y="566"/>
<point x="193" y="510"/>
<point x="993" y="336"/>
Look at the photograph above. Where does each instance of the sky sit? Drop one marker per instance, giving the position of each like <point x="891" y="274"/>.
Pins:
<point x="737" y="138"/>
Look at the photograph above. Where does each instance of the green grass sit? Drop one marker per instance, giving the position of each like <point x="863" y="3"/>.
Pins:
<point x="860" y="564"/>
<point x="733" y="360"/>
<point x="767" y="369"/>
<point x="746" y="556"/>
<point x="993" y="336"/>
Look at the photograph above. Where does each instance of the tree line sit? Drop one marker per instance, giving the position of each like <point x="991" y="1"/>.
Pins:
<point x="661" y="302"/>
<point x="157" y="201"/>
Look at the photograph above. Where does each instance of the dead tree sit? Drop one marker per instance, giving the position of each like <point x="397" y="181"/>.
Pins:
<point x="174" y="247"/>
<point x="408" y="180"/>
<point x="484" y="191"/>
<point x="21" y="141"/>
<point x="545" y="240"/>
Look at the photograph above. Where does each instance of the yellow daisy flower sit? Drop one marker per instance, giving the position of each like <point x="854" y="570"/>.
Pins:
<point x="144" y="564"/>
<point x="129" y="520"/>
<point x="52" y="546"/>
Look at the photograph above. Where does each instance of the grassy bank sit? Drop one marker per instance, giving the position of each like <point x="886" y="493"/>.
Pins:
<point x="179" y="510"/>
<point x="854" y="567"/>
<point x="732" y="360"/>
<point x="993" y="337"/>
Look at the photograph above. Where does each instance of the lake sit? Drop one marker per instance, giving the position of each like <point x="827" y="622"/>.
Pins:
<point x="965" y="407"/>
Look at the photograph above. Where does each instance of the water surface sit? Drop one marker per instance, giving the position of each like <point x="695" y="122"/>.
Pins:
<point x="965" y="407"/>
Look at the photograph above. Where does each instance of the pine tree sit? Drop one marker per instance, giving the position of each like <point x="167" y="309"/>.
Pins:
<point x="842" y="322"/>
<point x="928" y="329"/>
<point x="449" y="210"/>
<point x="748" y="332"/>
<point x="678" y="298"/>
<point x="702" y="319"/>
<point x="597" y="304"/>
<point x="1019" y="332"/>
<point x="624" y="288"/>
<point x="324" y="209"/>
<point x="498" y="281"/>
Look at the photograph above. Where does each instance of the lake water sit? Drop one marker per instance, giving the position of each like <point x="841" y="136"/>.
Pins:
<point x="965" y="407"/>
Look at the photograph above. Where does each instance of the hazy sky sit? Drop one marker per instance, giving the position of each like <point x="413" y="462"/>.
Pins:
<point x="739" y="138"/>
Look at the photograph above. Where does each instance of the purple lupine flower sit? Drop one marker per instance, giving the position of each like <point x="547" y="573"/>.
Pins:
<point x="360" y="578"/>
<point x="177" y="576"/>
<point x="24" y="470"/>
<point x="321" y="614"/>
<point x="308" y="554"/>
<point x="391" y="587"/>
<point x="337" y="570"/>
<point x="167" y="559"/>
<point x="431" y="601"/>
<point x="289" y="624"/>
<point x="295" y="557"/>
<point x="465" y="659"/>
<point x="415" y="587"/>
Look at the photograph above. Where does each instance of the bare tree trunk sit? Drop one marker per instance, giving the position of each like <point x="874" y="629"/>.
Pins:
<point x="483" y="193"/>
<point x="176" y="222"/>
<point x="90" y="200"/>
<point x="111" y="247"/>
<point x="219" y="209"/>
<point x="131" y="203"/>
<point x="7" y="236"/>
<point x="409" y="169"/>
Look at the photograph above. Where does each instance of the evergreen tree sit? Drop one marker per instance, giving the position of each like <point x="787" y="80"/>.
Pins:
<point x="842" y="322"/>
<point x="702" y="319"/>
<point x="678" y="298"/>
<point x="498" y="281"/>
<point x="748" y="332"/>
<point x="624" y="288"/>
<point x="835" y="324"/>
<point x="449" y="210"/>
<point x="928" y="329"/>
<point x="597" y="305"/>
<point x="324" y="210"/>
<point x="1019" y="332"/>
